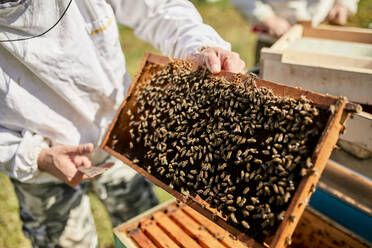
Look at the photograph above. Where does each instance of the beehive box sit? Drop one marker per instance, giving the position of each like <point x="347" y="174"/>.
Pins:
<point x="118" y="134"/>
<point x="325" y="59"/>
<point x="328" y="59"/>
<point x="177" y="225"/>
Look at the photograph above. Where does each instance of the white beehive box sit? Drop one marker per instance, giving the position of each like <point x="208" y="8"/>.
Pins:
<point x="330" y="60"/>
<point x="326" y="59"/>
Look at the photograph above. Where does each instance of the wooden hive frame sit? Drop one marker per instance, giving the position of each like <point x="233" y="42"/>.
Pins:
<point x="120" y="129"/>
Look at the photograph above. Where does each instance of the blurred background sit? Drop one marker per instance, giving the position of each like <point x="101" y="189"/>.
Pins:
<point x="232" y="27"/>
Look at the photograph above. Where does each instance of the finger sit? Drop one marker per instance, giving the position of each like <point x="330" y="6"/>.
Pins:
<point x="236" y="67"/>
<point x="209" y="58"/>
<point x="233" y="63"/>
<point x="275" y="32"/>
<point x="286" y="27"/>
<point x="281" y="31"/>
<point x="341" y="17"/>
<point x="278" y="32"/>
<point x="85" y="148"/>
<point x="338" y="19"/>
<point x="80" y="149"/>
<point x="272" y="33"/>
<point x="82" y="161"/>
<point x="213" y="62"/>
<point x="331" y="14"/>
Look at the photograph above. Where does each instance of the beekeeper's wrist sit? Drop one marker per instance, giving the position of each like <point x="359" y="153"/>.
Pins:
<point x="35" y="155"/>
<point x="25" y="163"/>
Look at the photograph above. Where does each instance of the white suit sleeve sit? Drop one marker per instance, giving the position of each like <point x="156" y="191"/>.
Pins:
<point x="173" y="26"/>
<point x="254" y="10"/>
<point x="351" y="5"/>
<point x="19" y="153"/>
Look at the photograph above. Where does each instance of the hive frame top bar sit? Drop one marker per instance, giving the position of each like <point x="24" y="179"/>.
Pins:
<point x="321" y="154"/>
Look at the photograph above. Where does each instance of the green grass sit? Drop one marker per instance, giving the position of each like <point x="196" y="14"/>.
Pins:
<point x="11" y="235"/>
<point x="103" y="223"/>
<point x="232" y="27"/>
<point x="363" y="17"/>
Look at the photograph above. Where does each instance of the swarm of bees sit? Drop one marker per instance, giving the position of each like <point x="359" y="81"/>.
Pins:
<point x="242" y="149"/>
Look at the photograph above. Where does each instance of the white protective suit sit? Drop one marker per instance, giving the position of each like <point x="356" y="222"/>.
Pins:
<point x="65" y="86"/>
<point x="291" y="10"/>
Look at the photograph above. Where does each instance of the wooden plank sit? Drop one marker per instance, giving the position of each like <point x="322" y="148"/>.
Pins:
<point x="351" y="34"/>
<point x="355" y="86"/>
<point x="174" y="231"/>
<point x="345" y="49"/>
<point x="331" y="61"/>
<point x="195" y="230"/>
<point x="213" y="228"/>
<point x="140" y="238"/>
<point x="157" y="235"/>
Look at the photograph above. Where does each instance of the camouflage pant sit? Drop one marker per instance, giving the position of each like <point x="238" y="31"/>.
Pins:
<point x="56" y="215"/>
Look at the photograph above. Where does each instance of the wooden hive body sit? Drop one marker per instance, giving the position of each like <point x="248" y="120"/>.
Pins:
<point x="177" y="225"/>
<point x="327" y="59"/>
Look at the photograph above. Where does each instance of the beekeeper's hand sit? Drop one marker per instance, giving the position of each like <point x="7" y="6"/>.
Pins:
<point x="217" y="59"/>
<point x="338" y="14"/>
<point x="276" y="26"/>
<point x="62" y="161"/>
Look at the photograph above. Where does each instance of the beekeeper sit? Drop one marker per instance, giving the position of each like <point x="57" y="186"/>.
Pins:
<point x="272" y="18"/>
<point x="63" y="76"/>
